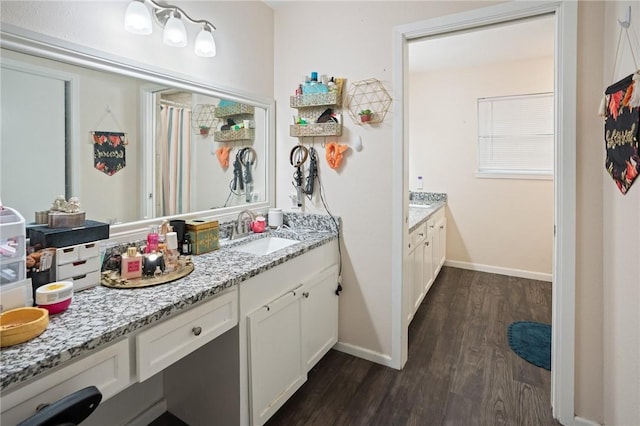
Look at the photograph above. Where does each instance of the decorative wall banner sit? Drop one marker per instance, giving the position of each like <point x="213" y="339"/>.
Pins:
<point x="621" y="131"/>
<point x="109" y="152"/>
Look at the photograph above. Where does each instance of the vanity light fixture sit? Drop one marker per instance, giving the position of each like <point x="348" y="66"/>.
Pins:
<point x="175" y="34"/>
<point x="137" y="20"/>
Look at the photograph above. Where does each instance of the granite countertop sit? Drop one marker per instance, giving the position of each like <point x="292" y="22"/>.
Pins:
<point x="420" y="212"/>
<point x="100" y="315"/>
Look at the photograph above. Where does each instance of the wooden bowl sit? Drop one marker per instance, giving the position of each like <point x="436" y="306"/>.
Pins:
<point x="22" y="324"/>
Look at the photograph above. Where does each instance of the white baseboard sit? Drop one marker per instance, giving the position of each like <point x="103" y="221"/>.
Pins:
<point x="579" y="421"/>
<point x="149" y="414"/>
<point x="540" y="276"/>
<point x="363" y="353"/>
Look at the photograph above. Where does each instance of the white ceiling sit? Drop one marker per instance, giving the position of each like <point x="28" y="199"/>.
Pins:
<point x="527" y="39"/>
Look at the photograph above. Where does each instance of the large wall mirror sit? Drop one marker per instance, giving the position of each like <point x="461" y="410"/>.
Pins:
<point x="134" y="145"/>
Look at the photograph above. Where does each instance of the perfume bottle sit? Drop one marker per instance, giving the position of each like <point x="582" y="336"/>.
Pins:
<point x="152" y="239"/>
<point x="131" y="264"/>
<point x="186" y="246"/>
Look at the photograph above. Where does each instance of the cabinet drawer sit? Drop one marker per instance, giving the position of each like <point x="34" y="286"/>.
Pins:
<point x="79" y="252"/>
<point x="77" y="268"/>
<point x="165" y="343"/>
<point x="81" y="282"/>
<point x="107" y="369"/>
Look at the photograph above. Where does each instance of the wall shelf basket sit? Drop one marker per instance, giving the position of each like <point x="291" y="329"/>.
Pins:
<point x="368" y="95"/>
<point x="203" y="119"/>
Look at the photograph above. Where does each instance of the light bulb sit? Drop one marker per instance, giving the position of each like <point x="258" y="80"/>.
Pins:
<point x="205" y="45"/>
<point x="137" y="19"/>
<point x="175" y="34"/>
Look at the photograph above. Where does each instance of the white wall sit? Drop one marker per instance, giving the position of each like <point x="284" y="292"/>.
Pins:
<point x="360" y="192"/>
<point x="505" y="224"/>
<point x="621" y="230"/>
<point x="589" y="368"/>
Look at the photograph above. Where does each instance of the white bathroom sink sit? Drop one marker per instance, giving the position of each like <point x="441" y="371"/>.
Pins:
<point x="265" y="246"/>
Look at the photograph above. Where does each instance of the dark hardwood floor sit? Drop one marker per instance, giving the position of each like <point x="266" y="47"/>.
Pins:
<point x="460" y="371"/>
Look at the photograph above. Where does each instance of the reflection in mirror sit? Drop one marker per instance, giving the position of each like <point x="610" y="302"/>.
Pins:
<point x="130" y="148"/>
<point x="208" y="157"/>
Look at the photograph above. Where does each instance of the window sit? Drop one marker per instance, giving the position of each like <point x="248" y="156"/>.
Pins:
<point x="515" y="136"/>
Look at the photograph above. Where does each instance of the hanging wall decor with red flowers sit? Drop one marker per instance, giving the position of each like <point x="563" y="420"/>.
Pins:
<point x="109" y="152"/>
<point x="622" y="130"/>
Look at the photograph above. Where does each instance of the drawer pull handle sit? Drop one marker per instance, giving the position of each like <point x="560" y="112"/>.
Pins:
<point x="306" y="294"/>
<point x="42" y="406"/>
<point x="196" y="330"/>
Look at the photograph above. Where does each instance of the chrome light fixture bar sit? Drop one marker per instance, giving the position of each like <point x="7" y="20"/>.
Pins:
<point x="137" y="20"/>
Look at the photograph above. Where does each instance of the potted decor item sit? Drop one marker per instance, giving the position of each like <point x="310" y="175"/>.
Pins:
<point x="365" y="115"/>
<point x="204" y="130"/>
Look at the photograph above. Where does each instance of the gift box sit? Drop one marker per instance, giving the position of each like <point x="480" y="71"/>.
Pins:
<point x="205" y="235"/>
<point x="66" y="220"/>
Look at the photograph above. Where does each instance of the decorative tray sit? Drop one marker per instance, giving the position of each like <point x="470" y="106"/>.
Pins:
<point x="112" y="278"/>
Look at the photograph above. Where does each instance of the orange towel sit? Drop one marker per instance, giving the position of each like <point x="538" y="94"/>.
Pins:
<point x="334" y="154"/>
<point x="223" y="156"/>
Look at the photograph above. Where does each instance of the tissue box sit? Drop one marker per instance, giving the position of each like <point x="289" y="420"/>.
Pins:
<point x="205" y="235"/>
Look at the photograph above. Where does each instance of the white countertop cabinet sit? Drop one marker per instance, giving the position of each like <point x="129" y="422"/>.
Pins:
<point x="288" y="321"/>
<point x="425" y="255"/>
<point x="203" y="347"/>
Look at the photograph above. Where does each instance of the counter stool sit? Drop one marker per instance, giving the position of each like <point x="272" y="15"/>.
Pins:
<point x="68" y="411"/>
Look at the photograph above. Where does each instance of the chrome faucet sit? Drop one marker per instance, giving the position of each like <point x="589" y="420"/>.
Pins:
<point x="243" y="224"/>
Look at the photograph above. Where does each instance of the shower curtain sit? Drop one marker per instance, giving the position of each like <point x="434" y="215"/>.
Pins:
<point x="174" y="160"/>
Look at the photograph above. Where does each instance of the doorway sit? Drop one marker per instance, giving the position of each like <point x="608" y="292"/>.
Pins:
<point x="481" y="131"/>
<point x="563" y="334"/>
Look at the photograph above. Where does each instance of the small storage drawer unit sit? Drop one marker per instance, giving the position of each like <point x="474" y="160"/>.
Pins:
<point x="165" y="343"/>
<point x="76" y="253"/>
<point x="80" y="264"/>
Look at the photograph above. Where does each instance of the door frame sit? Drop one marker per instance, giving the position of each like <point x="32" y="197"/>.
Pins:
<point x="565" y="77"/>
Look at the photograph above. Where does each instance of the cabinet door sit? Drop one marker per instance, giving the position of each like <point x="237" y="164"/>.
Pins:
<point x="319" y="315"/>
<point x="427" y="270"/>
<point x="442" y="232"/>
<point x="418" y="260"/>
<point x="439" y="245"/>
<point x="276" y="367"/>
<point x="407" y="290"/>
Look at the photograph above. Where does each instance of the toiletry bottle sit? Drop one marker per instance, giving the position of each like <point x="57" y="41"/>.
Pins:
<point x="152" y="239"/>
<point x="185" y="247"/>
<point x="306" y="85"/>
<point x="331" y="85"/>
<point x="131" y="264"/>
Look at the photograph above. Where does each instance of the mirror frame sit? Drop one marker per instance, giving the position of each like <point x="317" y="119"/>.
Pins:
<point x="36" y="44"/>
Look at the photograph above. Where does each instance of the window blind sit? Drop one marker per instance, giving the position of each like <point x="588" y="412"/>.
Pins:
<point x="516" y="134"/>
